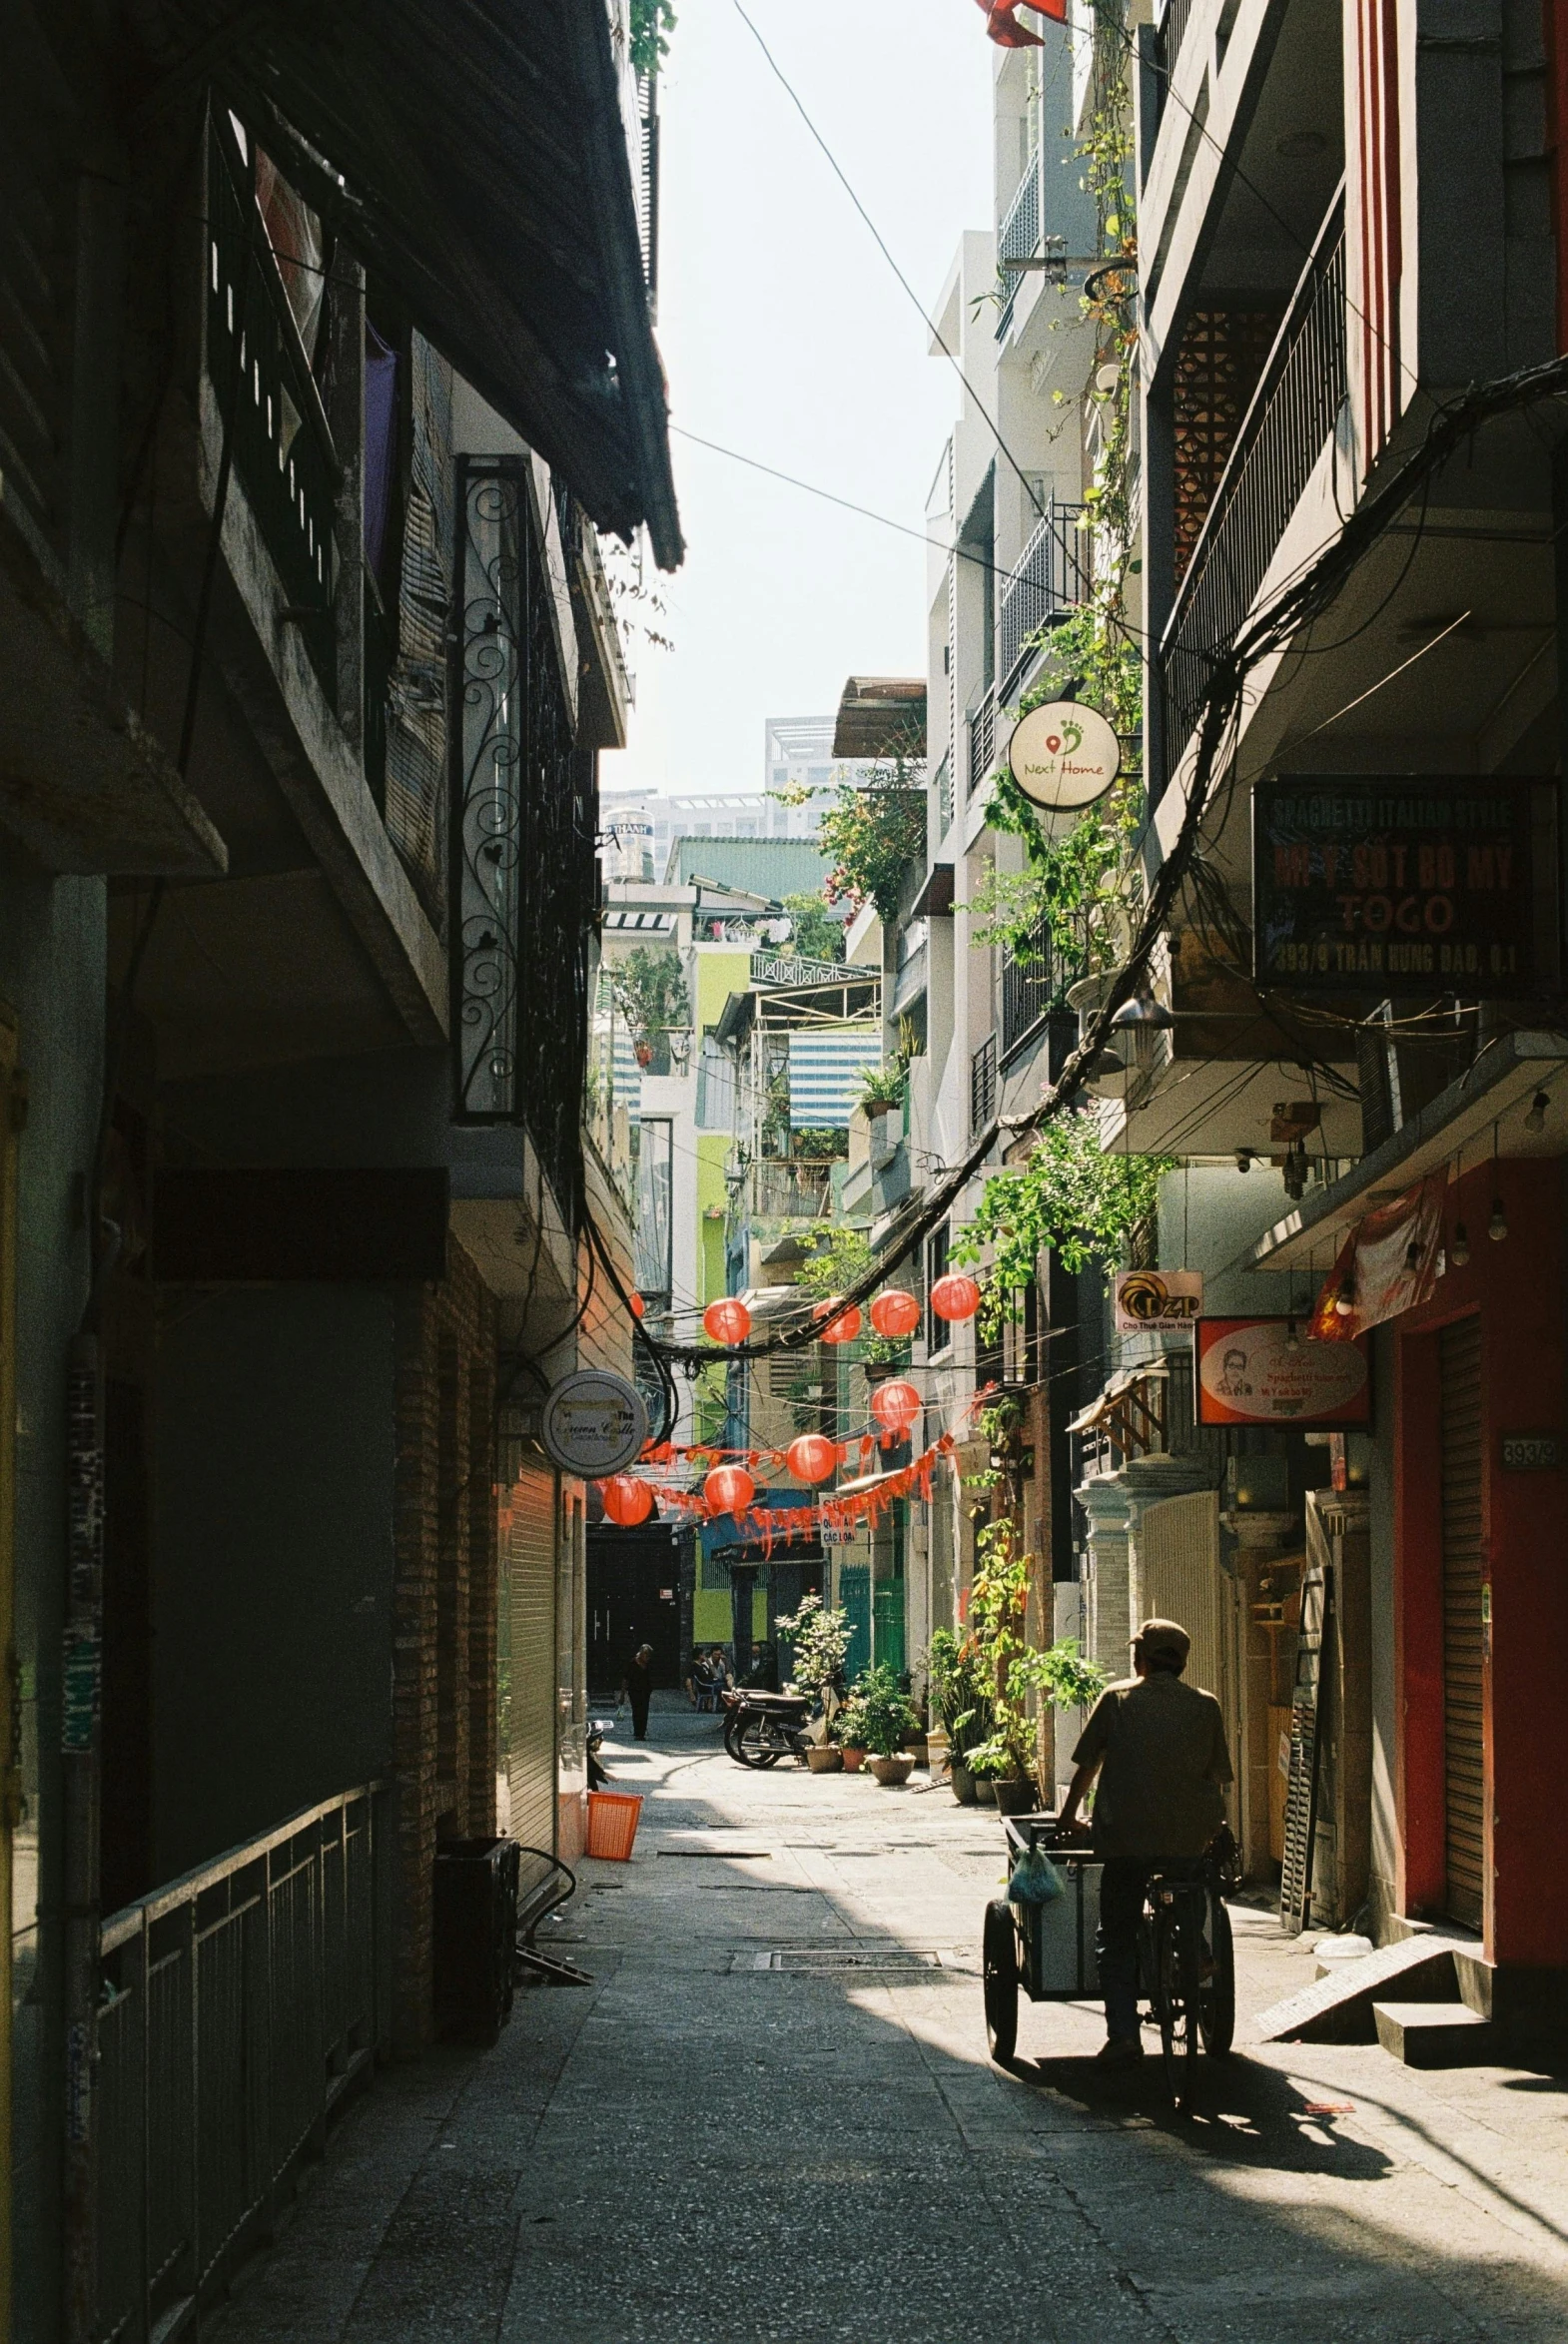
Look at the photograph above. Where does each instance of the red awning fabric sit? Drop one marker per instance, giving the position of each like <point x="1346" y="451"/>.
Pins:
<point x="1386" y="1266"/>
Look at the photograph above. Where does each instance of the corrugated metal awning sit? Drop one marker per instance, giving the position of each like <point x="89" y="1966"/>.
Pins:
<point x="881" y="716"/>
<point x="473" y="152"/>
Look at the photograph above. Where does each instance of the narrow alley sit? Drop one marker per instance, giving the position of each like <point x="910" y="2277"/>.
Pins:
<point x="746" y="2126"/>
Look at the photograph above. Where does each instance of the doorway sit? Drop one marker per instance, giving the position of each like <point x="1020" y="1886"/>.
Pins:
<point x="633" y="1598"/>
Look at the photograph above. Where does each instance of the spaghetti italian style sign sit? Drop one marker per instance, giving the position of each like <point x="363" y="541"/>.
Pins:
<point x="1268" y="1371"/>
<point x="1406" y="882"/>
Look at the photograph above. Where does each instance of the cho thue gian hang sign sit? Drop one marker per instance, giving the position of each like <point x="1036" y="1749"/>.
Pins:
<point x="1406" y="882"/>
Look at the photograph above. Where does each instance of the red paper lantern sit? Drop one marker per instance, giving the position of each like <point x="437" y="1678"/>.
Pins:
<point x="843" y="1327"/>
<point x="894" y="1312"/>
<point x="895" y="1404"/>
<point x="627" y="1500"/>
<point x="729" y="1489"/>
<point x="812" y="1457"/>
<point x="727" y="1321"/>
<point x="954" y="1295"/>
<point x="637" y="1305"/>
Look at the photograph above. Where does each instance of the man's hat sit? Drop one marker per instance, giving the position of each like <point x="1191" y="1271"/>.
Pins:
<point x="1163" y="1636"/>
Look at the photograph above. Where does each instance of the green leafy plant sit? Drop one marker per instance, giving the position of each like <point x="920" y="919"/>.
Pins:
<point x="819" y="1637"/>
<point x="879" y="1088"/>
<point x="651" y="22"/>
<point x="849" y="1724"/>
<point x="840" y="1257"/>
<point x="649" y="987"/>
<point x="1070" y="1197"/>
<point x="818" y="935"/>
<point x="883" y="1713"/>
<point x="959" y="1690"/>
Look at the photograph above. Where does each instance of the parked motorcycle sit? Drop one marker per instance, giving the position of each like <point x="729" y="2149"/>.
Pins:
<point x="762" y="1727"/>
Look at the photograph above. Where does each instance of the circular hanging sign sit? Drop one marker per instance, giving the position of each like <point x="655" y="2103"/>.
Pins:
<point x="595" y="1424"/>
<point x="1063" y="756"/>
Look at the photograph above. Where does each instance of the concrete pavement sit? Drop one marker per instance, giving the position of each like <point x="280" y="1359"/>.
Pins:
<point x="704" y="2146"/>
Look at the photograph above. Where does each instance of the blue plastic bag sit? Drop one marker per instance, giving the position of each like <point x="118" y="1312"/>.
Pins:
<point x="1035" y="1880"/>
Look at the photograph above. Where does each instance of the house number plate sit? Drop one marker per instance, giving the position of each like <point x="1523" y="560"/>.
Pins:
<point x="1531" y="1452"/>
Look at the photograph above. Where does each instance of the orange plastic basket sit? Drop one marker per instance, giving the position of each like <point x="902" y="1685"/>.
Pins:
<point x="612" y="1824"/>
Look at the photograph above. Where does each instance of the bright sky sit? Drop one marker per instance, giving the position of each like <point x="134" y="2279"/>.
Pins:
<point x="785" y="335"/>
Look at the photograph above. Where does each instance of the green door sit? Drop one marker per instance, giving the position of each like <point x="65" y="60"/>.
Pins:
<point x="889" y="1610"/>
<point x="854" y="1598"/>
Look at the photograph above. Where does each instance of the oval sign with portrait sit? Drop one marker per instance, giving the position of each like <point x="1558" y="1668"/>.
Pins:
<point x="1063" y="756"/>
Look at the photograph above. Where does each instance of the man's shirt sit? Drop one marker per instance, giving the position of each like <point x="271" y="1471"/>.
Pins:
<point x="1162" y="1744"/>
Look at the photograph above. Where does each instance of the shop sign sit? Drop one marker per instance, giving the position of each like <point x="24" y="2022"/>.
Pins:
<point x="1406" y="882"/>
<point x="1268" y="1371"/>
<point x="1531" y="1452"/>
<point x="1063" y="756"/>
<point x="1158" y="1297"/>
<point x="594" y="1423"/>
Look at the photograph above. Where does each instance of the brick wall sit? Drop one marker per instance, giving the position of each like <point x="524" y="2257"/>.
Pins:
<point x="444" y="1636"/>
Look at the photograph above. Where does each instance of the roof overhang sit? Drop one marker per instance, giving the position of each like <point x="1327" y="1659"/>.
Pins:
<point x="881" y="716"/>
<point x="934" y="900"/>
<point x="477" y="156"/>
<point x="1492" y="1098"/>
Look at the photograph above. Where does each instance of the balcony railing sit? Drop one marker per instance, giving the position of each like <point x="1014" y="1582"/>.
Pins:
<point x="801" y="1190"/>
<point x="1034" y="976"/>
<point x="283" y="450"/>
<point x="1170" y="32"/>
<point x="1282" y="435"/>
<point x="1050" y="579"/>
<point x="1017" y="239"/>
<point x="981" y="740"/>
<point x="982" y="1085"/>
<point x="236" y="2008"/>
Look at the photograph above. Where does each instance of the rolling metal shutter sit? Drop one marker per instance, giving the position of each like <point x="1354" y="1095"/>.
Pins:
<point x="1459" y="1353"/>
<point x="527" y="1639"/>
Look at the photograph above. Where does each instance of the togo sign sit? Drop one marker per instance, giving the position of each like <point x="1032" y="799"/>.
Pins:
<point x="1406" y="882"/>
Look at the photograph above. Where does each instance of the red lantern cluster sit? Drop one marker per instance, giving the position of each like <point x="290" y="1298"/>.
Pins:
<point x="812" y="1457"/>
<point x="895" y="1404"/>
<point x="955" y="1297"/>
<point x="627" y="1501"/>
<point x="842" y="1326"/>
<point x="729" y="1489"/>
<point x="727" y="1321"/>
<point x="895" y="1313"/>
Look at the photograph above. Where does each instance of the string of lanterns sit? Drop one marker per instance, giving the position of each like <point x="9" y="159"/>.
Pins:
<point x="894" y="1314"/>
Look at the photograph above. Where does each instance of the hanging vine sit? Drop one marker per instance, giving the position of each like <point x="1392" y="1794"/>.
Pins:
<point x="1086" y="888"/>
<point x="1070" y="1197"/>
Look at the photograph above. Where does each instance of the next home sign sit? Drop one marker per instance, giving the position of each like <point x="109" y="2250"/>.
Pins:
<point x="1404" y="883"/>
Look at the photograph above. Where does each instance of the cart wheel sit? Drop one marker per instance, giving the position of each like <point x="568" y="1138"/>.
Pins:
<point x="999" y="1947"/>
<point x="1216" y="1996"/>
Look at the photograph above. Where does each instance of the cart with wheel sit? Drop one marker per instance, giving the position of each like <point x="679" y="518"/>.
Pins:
<point x="1047" y="1952"/>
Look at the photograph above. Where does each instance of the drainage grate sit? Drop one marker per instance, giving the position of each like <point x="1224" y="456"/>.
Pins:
<point x="815" y="1960"/>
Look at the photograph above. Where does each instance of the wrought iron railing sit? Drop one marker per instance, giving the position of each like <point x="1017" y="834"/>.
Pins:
<point x="982" y="1085"/>
<point x="981" y="740"/>
<point x="236" y="2008"/>
<point x="1052" y="577"/>
<point x="1170" y="32"/>
<point x="282" y="450"/>
<point x="1017" y="239"/>
<point x="1036" y="974"/>
<point x="521" y="853"/>
<point x="1282" y="435"/>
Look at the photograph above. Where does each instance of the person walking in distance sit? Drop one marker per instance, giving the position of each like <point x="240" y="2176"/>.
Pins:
<point x="1159" y="1748"/>
<point x="637" y="1685"/>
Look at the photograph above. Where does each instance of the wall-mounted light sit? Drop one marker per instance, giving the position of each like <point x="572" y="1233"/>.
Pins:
<point x="1244" y="1160"/>
<point x="1535" y="1120"/>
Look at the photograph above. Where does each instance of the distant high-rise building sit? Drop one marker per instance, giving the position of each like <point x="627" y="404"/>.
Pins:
<point x="797" y="754"/>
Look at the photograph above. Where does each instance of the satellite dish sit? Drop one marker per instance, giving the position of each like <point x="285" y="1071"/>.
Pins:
<point x="1063" y="756"/>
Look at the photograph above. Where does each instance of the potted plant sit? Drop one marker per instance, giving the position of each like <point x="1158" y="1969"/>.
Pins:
<point x="1018" y="1673"/>
<point x="819" y="1639"/>
<point x="961" y="1697"/>
<point x="887" y="1716"/>
<point x="649" y="990"/>
<point x="849" y="1731"/>
<point x="824" y="1758"/>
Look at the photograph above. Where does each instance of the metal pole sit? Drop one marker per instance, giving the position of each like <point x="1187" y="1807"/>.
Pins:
<point x="81" y="1677"/>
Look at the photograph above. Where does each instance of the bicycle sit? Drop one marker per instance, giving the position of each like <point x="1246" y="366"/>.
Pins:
<point x="1187" y="1967"/>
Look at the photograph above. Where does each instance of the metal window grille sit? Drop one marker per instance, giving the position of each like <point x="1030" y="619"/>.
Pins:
<point x="1051" y="578"/>
<point x="1169" y="36"/>
<point x="523" y="825"/>
<point x="1017" y="239"/>
<point x="1035" y="974"/>
<point x="282" y="450"/>
<point x="1292" y="414"/>
<point x="944" y="787"/>
<point x="236" y="2006"/>
<point x="981" y="740"/>
<point x="982" y="1085"/>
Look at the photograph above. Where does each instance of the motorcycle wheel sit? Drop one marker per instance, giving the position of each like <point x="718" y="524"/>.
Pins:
<point x="1216" y="1994"/>
<point x="753" y="1745"/>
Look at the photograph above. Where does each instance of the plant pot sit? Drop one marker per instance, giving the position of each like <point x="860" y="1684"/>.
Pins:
<point x="985" y="1790"/>
<point x="962" y="1783"/>
<point x="1020" y="1798"/>
<point x="890" y="1771"/>
<point x="643" y="1053"/>
<point x="854" y="1759"/>
<point x="824" y="1759"/>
